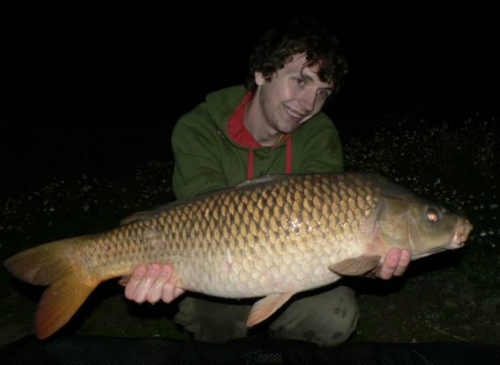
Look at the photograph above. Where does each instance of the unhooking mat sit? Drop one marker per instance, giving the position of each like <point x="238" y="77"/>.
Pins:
<point x="151" y="351"/>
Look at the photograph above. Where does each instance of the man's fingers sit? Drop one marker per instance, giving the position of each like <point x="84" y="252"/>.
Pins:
<point x="157" y="288"/>
<point x="151" y="284"/>
<point x="171" y="292"/>
<point x="124" y="280"/>
<point x="404" y="261"/>
<point x="133" y="281"/>
<point x="178" y="292"/>
<point x="390" y="264"/>
<point x="395" y="264"/>
<point x="141" y="281"/>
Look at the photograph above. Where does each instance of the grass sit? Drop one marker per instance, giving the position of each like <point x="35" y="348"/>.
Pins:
<point x="452" y="296"/>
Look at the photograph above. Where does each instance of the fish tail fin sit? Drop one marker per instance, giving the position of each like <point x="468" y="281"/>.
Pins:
<point x="54" y="264"/>
<point x="59" y="303"/>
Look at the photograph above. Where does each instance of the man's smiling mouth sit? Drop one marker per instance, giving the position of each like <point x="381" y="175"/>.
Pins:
<point x="289" y="111"/>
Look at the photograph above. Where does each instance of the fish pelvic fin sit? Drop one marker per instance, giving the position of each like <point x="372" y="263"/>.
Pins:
<point x="356" y="266"/>
<point x="68" y="284"/>
<point x="265" y="307"/>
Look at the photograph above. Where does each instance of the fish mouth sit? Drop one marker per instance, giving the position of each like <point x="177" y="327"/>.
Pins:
<point x="462" y="232"/>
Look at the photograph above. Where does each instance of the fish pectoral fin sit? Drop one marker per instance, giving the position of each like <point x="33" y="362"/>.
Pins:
<point x="356" y="266"/>
<point x="265" y="307"/>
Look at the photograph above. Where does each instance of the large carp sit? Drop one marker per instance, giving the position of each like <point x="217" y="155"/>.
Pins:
<point x="269" y="237"/>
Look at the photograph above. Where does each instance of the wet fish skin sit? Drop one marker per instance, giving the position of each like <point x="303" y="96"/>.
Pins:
<point x="270" y="237"/>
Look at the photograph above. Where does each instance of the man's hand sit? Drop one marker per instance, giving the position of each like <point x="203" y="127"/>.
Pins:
<point x="395" y="263"/>
<point x="152" y="284"/>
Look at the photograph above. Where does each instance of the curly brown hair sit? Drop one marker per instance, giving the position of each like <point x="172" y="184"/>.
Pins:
<point x="303" y="34"/>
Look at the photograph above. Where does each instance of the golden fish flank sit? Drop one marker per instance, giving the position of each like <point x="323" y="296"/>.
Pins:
<point x="269" y="237"/>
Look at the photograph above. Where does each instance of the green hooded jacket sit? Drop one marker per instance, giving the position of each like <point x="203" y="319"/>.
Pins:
<point x="206" y="158"/>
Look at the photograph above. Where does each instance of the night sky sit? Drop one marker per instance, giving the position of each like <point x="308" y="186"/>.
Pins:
<point x="101" y="73"/>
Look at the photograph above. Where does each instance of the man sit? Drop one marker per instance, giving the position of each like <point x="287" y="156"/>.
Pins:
<point x="272" y="125"/>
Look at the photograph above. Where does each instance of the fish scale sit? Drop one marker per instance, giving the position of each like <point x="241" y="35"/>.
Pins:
<point x="270" y="237"/>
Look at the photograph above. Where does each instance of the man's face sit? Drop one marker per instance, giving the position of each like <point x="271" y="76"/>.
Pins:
<point x="293" y="95"/>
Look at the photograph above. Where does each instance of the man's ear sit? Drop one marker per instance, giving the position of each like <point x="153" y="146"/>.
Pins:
<point x="259" y="78"/>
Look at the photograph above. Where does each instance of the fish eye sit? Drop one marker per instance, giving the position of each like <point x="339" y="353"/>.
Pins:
<point x="432" y="215"/>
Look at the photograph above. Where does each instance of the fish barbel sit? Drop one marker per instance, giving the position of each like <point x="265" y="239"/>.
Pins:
<point x="269" y="237"/>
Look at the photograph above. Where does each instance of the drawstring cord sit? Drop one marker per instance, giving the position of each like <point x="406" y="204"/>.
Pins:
<point x="288" y="160"/>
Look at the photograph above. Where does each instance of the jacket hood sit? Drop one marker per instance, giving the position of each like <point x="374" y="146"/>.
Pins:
<point x="222" y="104"/>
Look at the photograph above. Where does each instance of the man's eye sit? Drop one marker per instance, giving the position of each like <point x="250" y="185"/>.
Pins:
<point x="324" y="93"/>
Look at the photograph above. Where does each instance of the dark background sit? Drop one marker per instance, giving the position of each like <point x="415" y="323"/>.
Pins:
<point x="90" y="88"/>
<point x="83" y="76"/>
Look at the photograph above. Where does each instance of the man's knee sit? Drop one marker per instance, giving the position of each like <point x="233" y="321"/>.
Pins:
<point x="212" y="320"/>
<point x="327" y="319"/>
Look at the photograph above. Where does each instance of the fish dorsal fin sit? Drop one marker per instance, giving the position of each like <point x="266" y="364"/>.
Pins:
<point x="247" y="184"/>
<point x="356" y="266"/>
<point x="265" y="307"/>
<point x="150" y="214"/>
<point x="137" y="216"/>
<point x="260" y="180"/>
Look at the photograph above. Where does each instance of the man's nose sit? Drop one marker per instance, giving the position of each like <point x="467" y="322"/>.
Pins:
<point x="307" y="100"/>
